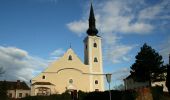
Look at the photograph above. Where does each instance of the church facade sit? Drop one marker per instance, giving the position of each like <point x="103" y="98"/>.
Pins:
<point x="69" y="73"/>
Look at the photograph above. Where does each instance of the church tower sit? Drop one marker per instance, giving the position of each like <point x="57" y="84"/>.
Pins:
<point x="93" y="54"/>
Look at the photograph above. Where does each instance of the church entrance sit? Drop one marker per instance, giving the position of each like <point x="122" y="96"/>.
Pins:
<point x="74" y="94"/>
<point x="73" y="91"/>
<point x="43" y="91"/>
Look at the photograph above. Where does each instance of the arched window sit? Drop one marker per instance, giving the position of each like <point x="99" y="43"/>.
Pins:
<point x="96" y="82"/>
<point x="95" y="59"/>
<point x="43" y="77"/>
<point x="70" y="57"/>
<point x="95" y="45"/>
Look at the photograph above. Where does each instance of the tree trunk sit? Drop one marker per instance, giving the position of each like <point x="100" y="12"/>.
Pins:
<point x="150" y="85"/>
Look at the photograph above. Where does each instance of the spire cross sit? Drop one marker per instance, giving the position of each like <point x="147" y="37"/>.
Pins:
<point x="91" y="1"/>
<point x="70" y="45"/>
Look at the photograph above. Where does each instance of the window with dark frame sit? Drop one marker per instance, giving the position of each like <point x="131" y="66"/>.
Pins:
<point x="95" y="59"/>
<point x="96" y="82"/>
<point x="43" y="77"/>
<point x="86" y="46"/>
<point x="70" y="57"/>
<point x="26" y="94"/>
<point x="10" y="95"/>
<point x="95" y="45"/>
<point x="20" y="95"/>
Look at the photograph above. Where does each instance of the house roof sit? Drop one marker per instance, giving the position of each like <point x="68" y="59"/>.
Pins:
<point x="42" y="83"/>
<point x="128" y="77"/>
<point x="11" y="85"/>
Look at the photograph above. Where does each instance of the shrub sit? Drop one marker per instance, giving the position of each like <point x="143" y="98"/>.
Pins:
<point x="116" y="95"/>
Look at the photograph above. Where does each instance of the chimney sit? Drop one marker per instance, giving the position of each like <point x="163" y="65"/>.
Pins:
<point x="18" y="84"/>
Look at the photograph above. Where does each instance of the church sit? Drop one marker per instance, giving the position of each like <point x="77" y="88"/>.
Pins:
<point x="69" y="73"/>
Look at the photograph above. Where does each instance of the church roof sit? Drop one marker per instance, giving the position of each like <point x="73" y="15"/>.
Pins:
<point x="42" y="83"/>
<point x="69" y="61"/>
<point x="92" y="31"/>
<point x="70" y="52"/>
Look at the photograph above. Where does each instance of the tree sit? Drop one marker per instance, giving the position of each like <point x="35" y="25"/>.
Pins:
<point x="168" y="78"/>
<point x="3" y="86"/>
<point x="3" y="90"/>
<point x="148" y="65"/>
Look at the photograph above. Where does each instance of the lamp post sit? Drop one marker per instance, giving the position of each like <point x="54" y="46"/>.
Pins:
<point x="108" y="77"/>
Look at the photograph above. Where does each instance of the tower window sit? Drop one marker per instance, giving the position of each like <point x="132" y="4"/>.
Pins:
<point x="96" y="82"/>
<point x="95" y="45"/>
<point x="43" y="77"/>
<point x="70" y="57"/>
<point x="95" y="59"/>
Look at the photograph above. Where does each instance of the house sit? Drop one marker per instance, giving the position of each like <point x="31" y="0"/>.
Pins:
<point x="16" y="89"/>
<point x="131" y="84"/>
<point x="69" y="73"/>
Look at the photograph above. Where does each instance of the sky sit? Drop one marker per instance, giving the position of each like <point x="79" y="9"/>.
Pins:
<point x="34" y="33"/>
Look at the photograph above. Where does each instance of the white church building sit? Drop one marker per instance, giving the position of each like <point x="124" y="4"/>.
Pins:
<point x="69" y="73"/>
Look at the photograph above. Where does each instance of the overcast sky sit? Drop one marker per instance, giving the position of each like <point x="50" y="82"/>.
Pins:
<point x="34" y="33"/>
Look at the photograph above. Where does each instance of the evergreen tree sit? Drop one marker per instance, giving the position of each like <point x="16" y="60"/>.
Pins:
<point x="3" y="86"/>
<point x="3" y="91"/>
<point x="168" y="78"/>
<point x="148" y="65"/>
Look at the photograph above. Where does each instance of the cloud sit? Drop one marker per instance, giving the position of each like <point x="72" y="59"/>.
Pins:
<point x="113" y="16"/>
<point x="120" y="74"/>
<point x="157" y="11"/>
<point x="18" y="64"/>
<point x="125" y="17"/>
<point x="78" y="27"/>
<point x="165" y="49"/>
<point x="110" y="39"/>
<point x="116" y="18"/>
<point x="118" y="53"/>
<point x="56" y="54"/>
<point x="114" y="51"/>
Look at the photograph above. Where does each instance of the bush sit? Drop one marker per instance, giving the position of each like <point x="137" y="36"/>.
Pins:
<point x="64" y="96"/>
<point x="116" y="95"/>
<point x="3" y="91"/>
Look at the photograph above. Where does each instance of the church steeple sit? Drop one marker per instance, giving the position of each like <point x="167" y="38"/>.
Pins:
<point x="92" y="31"/>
